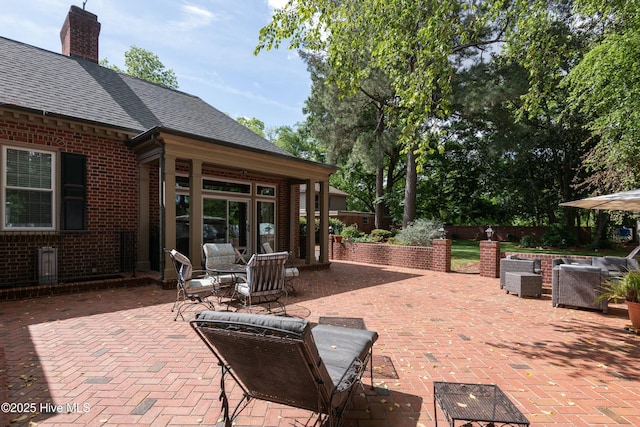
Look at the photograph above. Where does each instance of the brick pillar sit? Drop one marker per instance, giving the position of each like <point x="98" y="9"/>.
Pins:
<point x="489" y="258"/>
<point x="441" y="255"/>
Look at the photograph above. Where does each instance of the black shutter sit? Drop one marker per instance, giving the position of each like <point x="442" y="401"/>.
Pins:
<point x="74" y="191"/>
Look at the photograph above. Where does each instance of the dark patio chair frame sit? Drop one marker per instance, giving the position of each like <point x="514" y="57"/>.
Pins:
<point x="290" y="272"/>
<point x="264" y="282"/>
<point x="194" y="287"/>
<point x="284" y="360"/>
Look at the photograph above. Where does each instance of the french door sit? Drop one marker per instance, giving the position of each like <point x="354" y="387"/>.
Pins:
<point x="266" y="220"/>
<point x="226" y="221"/>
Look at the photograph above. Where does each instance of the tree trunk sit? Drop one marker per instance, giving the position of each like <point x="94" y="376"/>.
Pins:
<point x="409" y="214"/>
<point x="389" y="182"/>
<point x="379" y="213"/>
<point x="602" y="221"/>
<point x="379" y="203"/>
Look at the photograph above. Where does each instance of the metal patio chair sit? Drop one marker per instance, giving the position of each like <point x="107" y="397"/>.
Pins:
<point x="225" y="264"/>
<point x="290" y="272"/>
<point x="286" y="361"/>
<point x="222" y="253"/>
<point x="264" y="282"/>
<point x="190" y="290"/>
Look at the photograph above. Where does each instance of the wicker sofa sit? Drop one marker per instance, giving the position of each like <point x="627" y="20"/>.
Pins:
<point x="577" y="282"/>
<point x="611" y="266"/>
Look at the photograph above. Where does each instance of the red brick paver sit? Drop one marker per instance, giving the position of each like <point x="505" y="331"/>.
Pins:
<point x="117" y="358"/>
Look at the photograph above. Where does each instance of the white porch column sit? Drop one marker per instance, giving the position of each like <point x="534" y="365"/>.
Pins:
<point x="143" y="255"/>
<point x="310" y="208"/>
<point x="168" y="210"/>
<point x="324" y="221"/>
<point x="294" y="214"/>
<point x="195" y="213"/>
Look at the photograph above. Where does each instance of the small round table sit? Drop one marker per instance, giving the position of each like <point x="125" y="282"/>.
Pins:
<point x="223" y="271"/>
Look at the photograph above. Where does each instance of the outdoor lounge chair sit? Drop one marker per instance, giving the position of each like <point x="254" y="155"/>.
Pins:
<point x="191" y="291"/>
<point x="517" y="265"/>
<point x="513" y="264"/>
<point x="264" y="282"/>
<point x="284" y="360"/>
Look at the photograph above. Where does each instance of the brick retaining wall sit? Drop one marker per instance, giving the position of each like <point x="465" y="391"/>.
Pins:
<point x="436" y="257"/>
<point x="508" y="233"/>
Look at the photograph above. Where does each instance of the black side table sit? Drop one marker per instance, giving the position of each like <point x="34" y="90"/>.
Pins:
<point x="483" y="404"/>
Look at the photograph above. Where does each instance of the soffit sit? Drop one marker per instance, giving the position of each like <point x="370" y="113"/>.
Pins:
<point x="256" y="161"/>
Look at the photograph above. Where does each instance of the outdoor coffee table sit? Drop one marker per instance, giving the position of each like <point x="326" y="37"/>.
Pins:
<point x="523" y="284"/>
<point x="475" y="404"/>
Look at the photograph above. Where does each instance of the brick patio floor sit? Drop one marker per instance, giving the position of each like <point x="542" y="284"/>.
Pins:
<point x="117" y="358"/>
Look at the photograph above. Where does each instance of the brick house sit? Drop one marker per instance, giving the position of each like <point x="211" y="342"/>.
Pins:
<point x="101" y="171"/>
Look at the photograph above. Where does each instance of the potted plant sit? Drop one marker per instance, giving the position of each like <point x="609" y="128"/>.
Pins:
<point x="335" y="228"/>
<point x="626" y="287"/>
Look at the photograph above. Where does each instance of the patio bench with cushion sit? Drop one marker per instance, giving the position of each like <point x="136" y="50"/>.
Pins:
<point x="611" y="266"/>
<point x="285" y="360"/>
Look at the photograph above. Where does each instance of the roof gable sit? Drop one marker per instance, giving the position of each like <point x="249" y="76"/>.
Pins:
<point x="41" y="80"/>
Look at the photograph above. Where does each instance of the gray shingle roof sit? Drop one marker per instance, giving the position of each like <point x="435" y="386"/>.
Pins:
<point x="41" y="80"/>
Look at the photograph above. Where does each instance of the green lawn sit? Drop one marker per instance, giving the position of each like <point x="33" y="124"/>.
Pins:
<point x="465" y="252"/>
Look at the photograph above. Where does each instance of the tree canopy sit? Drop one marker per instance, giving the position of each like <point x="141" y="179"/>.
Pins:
<point x="417" y="45"/>
<point x="560" y="124"/>
<point x="420" y="46"/>
<point x="254" y="124"/>
<point x="145" y="65"/>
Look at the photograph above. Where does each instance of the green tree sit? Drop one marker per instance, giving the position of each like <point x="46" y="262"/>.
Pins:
<point x="145" y="65"/>
<point x="417" y="45"/>
<point x="354" y="128"/>
<point x="605" y="85"/>
<point x="298" y="141"/>
<point x="254" y="124"/>
<point x="603" y="80"/>
<point x="583" y="51"/>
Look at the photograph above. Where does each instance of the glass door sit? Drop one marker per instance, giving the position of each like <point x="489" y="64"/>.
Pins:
<point x="182" y="224"/>
<point x="239" y="224"/>
<point x="226" y="221"/>
<point x="266" y="220"/>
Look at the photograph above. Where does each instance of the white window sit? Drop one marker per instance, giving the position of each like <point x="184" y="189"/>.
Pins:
<point x="28" y="186"/>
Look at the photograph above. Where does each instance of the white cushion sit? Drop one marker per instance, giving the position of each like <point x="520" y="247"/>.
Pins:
<point x="291" y="272"/>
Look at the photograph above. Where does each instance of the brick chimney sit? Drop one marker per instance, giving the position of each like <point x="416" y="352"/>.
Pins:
<point x="79" y="34"/>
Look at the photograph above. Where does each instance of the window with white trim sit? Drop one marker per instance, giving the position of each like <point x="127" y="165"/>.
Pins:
<point x="28" y="187"/>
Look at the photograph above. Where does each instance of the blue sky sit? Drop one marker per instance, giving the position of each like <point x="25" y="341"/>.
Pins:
<point x="207" y="43"/>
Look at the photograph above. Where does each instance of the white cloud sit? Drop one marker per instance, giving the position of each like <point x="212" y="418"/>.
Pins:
<point x="193" y="17"/>
<point x="231" y="89"/>
<point x="276" y="4"/>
